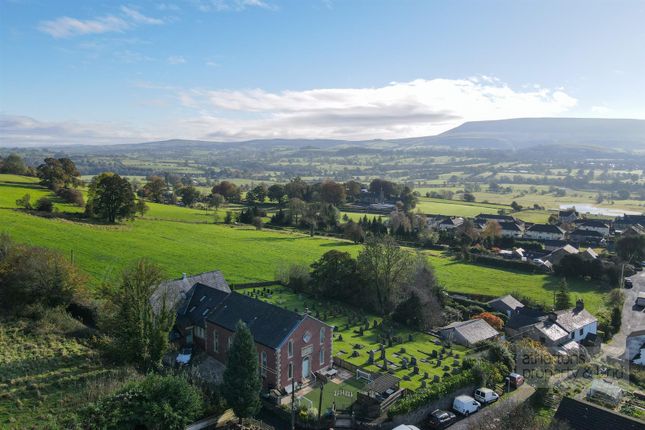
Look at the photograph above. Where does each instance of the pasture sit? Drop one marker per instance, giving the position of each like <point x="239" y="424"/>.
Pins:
<point x="180" y="241"/>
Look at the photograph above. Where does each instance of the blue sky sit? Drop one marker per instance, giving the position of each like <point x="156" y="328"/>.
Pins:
<point x="109" y="72"/>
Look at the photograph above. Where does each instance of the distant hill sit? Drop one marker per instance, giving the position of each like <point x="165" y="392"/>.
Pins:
<point x="628" y="134"/>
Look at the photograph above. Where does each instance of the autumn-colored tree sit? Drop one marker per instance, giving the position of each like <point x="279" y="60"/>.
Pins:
<point x="496" y="322"/>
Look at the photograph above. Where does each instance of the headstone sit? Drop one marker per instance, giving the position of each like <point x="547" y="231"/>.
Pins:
<point x="436" y="378"/>
<point x="382" y="353"/>
<point x="340" y="337"/>
<point x="415" y="370"/>
<point x="354" y="354"/>
<point x="401" y="350"/>
<point x="434" y="353"/>
<point x="423" y="384"/>
<point x="370" y="360"/>
<point x="413" y="361"/>
<point x="457" y="355"/>
<point x="425" y="375"/>
<point x="404" y="363"/>
<point x="406" y="378"/>
<point x="410" y="338"/>
<point x="455" y="363"/>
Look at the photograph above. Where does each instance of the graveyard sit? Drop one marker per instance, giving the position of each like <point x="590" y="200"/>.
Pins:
<point x="362" y="340"/>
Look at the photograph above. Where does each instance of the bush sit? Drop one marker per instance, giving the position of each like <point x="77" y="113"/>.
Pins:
<point x="71" y="195"/>
<point x="44" y="205"/>
<point x="167" y="402"/>
<point x="433" y="392"/>
<point x="33" y="278"/>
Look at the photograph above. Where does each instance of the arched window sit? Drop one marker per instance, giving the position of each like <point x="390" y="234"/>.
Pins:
<point x="322" y="335"/>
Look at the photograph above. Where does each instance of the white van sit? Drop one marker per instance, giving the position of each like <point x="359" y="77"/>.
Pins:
<point x="465" y="405"/>
<point x="486" y="395"/>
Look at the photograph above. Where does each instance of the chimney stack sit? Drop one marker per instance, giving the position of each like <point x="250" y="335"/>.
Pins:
<point x="580" y="304"/>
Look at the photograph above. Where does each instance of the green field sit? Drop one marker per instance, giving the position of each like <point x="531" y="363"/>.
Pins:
<point x="456" y="207"/>
<point x="348" y="321"/>
<point x="182" y="242"/>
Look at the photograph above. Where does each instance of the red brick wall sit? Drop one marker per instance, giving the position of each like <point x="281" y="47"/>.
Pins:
<point x="313" y="326"/>
<point x="270" y="379"/>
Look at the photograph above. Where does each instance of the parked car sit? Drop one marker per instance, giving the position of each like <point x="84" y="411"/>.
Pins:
<point x="485" y="395"/>
<point x="515" y="380"/>
<point x="439" y="419"/>
<point x="184" y="356"/>
<point x="405" y="427"/>
<point x="465" y="405"/>
<point x="628" y="283"/>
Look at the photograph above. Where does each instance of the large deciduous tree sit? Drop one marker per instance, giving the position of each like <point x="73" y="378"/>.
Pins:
<point x="631" y="248"/>
<point x="13" y="164"/>
<point x="111" y="198"/>
<point x="385" y="266"/>
<point x="241" y="386"/>
<point x="189" y="195"/>
<point x="332" y="192"/>
<point x="57" y="173"/>
<point x="335" y="275"/>
<point x="229" y="190"/>
<point x="155" y="188"/>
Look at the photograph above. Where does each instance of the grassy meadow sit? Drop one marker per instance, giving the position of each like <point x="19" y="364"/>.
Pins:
<point x="186" y="240"/>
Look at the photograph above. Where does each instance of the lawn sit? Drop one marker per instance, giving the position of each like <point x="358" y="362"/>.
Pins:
<point x="43" y="376"/>
<point x="458" y="277"/>
<point x="353" y="347"/>
<point x="343" y="395"/>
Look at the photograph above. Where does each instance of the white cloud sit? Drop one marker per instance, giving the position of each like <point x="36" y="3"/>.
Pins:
<point x="397" y="110"/>
<point x="176" y="59"/>
<point x="231" y="5"/>
<point x="65" y="26"/>
<point x="25" y="131"/>
<point x="140" y="18"/>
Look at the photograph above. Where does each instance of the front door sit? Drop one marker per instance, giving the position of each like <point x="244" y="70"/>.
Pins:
<point x="305" y="368"/>
<point x="189" y="337"/>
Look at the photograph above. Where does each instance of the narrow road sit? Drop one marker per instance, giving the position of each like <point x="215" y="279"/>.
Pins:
<point x="511" y="400"/>
<point x="633" y="318"/>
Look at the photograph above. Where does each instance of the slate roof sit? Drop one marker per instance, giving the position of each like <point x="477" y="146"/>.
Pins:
<point x="496" y="217"/>
<point x="594" y="223"/>
<point x="574" y="319"/>
<point x="269" y="324"/>
<point x="201" y="300"/>
<point x="587" y="233"/>
<point x="177" y="290"/>
<point x="509" y="226"/>
<point x="631" y="219"/>
<point x="506" y="303"/>
<point x="524" y="317"/>
<point x="568" y="211"/>
<point x="452" y="221"/>
<point x="473" y="331"/>
<point x="581" y="415"/>
<point x="551" y="330"/>
<point x="546" y="228"/>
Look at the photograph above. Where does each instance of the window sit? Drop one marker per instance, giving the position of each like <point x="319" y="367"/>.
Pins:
<point x="205" y="312"/>
<point x="202" y="299"/>
<point x="290" y="349"/>
<point x="199" y="332"/>
<point x="322" y="356"/>
<point x="215" y="342"/>
<point x="263" y="363"/>
<point x="322" y="335"/>
<point x="230" y="343"/>
<point x="290" y="372"/>
<point x="192" y="308"/>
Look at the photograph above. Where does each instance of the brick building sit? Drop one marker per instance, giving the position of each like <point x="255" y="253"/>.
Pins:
<point x="290" y="345"/>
